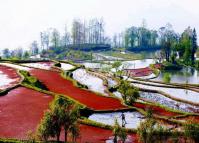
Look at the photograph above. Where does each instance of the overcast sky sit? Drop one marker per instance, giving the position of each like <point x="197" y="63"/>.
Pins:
<point x="22" y="20"/>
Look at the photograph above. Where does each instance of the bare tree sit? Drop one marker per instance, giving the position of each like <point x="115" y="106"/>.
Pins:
<point x="55" y="39"/>
<point x="34" y="48"/>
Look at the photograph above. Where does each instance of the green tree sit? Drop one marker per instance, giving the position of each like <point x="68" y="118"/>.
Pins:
<point x="63" y="114"/>
<point x="167" y="38"/>
<point x="116" y="65"/>
<point x="48" y="127"/>
<point x="67" y="112"/>
<point x="129" y="93"/>
<point x="146" y="131"/>
<point x="194" y="46"/>
<point x="118" y="132"/>
<point x="26" y="54"/>
<point x="55" y="38"/>
<point x="186" y="45"/>
<point x="6" y="53"/>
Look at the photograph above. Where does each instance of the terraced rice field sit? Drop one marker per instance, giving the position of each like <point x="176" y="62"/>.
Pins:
<point x="182" y="94"/>
<point x="21" y="111"/>
<point x="8" y="77"/>
<point x="40" y="65"/>
<point x="66" y="66"/>
<point x="163" y="100"/>
<point x="92" y="82"/>
<point x="66" y="87"/>
<point x="132" y="118"/>
<point x="15" y="66"/>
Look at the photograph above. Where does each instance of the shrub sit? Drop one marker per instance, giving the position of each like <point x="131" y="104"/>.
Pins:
<point x="167" y="78"/>
<point x="171" y="66"/>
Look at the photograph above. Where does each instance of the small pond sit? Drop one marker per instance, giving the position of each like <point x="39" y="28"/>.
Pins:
<point x="186" y="75"/>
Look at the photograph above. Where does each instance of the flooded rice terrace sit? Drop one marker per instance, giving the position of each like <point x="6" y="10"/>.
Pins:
<point x="186" y="75"/>
<point x="132" y="118"/>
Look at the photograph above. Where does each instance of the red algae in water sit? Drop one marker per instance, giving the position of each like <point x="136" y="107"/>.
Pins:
<point x="21" y="111"/>
<point x="57" y="84"/>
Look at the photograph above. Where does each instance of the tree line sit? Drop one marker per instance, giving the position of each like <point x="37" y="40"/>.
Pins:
<point x="92" y="32"/>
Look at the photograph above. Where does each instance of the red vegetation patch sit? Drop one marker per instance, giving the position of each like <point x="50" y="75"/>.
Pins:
<point x="156" y="110"/>
<point x="50" y="65"/>
<point x="194" y="119"/>
<point x="21" y="111"/>
<point x="92" y="134"/>
<point x="57" y="84"/>
<point x="10" y="73"/>
<point x="142" y="71"/>
<point x="139" y="72"/>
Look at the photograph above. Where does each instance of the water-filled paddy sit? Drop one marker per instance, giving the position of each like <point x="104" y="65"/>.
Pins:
<point x="15" y="66"/>
<point x="165" y="101"/>
<point x="40" y="65"/>
<point x="183" y="94"/>
<point x="66" y="66"/>
<point x="132" y="118"/>
<point x="94" y="83"/>
<point x="186" y="75"/>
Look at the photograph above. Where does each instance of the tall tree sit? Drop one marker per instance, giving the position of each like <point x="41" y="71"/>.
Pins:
<point x="6" y="53"/>
<point x="34" y="48"/>
<point x="46" y="40"/>
<point x="168" y="36"/>
<point x="194" y="46"/>
<point x="55" y="39"/>
<point x="65" y="37"/>
<point x="186" y="45"/>
<point x="63" y="114"/>
<point x="119" y="133"/>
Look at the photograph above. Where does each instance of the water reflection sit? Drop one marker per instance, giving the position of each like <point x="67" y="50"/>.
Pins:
<point x="186" y="75"/>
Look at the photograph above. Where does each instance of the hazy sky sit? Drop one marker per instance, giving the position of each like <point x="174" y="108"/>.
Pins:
<point x="22" y="20"/>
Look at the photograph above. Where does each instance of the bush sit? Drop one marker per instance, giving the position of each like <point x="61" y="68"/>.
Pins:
<point x="155" y="70"/>
<point x="167" y="78"/>
<point x="171" y="66"/>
